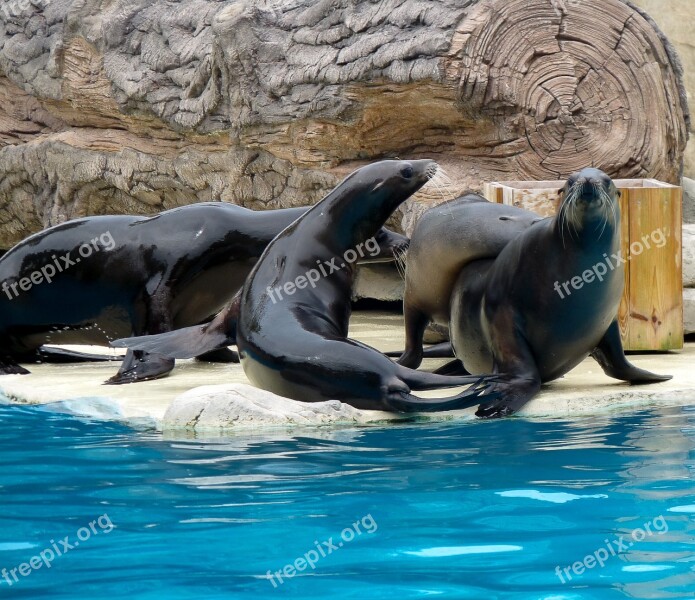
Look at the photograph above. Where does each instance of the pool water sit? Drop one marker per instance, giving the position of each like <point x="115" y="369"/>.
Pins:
<point x="469" y="510"/>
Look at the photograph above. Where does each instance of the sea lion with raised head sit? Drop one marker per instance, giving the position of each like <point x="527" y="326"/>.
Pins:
<point x="294" y="308"/>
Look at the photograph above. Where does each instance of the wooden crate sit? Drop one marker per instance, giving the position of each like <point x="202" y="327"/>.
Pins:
<point x="651" y="310"/>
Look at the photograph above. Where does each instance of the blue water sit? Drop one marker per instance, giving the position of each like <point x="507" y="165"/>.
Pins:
<point x="474" y="510"/>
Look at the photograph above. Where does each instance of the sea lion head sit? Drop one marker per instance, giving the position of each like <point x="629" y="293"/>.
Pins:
<point x="367" y="197"/>
<point x="589" y="202"/>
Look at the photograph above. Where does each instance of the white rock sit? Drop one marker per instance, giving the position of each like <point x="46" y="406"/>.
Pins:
<point x="688" y="255"/>
<point x="235" y="405"/>
<point x="689" y="310"/>
<point x="688" y="200"/>
<point x="379" y="282"/>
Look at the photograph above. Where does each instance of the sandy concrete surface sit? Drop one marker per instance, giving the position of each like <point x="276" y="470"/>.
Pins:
<point x="78" y="389"/>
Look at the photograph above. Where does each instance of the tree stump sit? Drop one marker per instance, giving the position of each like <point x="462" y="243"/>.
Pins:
<point x="132" y="107"/>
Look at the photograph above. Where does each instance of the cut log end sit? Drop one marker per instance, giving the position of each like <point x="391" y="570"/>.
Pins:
<point x="583" y="83"/>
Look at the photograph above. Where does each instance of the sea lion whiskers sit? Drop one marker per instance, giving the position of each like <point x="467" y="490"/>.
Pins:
<point x="605" y="201"/>
<point x="609" y="202"/>
<point x="565" y="217"/>
<point x="570" y="205"/>
<point x="440" y="180"/>
<point x="401" y="256"/>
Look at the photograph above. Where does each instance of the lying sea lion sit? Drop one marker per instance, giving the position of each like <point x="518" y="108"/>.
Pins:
<point x="95" y="279"/>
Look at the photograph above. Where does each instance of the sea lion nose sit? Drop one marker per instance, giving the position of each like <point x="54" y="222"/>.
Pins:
<point x="588" y="191"/>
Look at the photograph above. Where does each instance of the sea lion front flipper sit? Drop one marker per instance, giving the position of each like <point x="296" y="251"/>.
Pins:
<point x="512" y="393"/>
<point x="415" y="324"/>
<point x="610" y="355"/>
<point x="519" y="379"/>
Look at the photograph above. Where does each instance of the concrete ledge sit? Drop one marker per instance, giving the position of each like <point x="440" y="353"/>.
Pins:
<point x="228" y="403"/>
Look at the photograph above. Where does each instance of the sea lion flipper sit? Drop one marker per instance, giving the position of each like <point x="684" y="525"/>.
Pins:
<point x="141" y="366"/>
<point x="519" y="379"/>
<point x="408" y="403"/>
<point x="423" y="380"/>
<point x="8" y="366"/>
<point x="415" y="324"/>
<point x="441" y="350"/>
<point x="511" y="396"/>
<point x="190" y="342"/>
<point x="610" y="355"/>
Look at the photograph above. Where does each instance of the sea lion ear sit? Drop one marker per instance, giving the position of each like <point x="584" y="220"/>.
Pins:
<point x="561" y="191"/>
<point x="619" y="193"/>
<point x="379" y="184"/>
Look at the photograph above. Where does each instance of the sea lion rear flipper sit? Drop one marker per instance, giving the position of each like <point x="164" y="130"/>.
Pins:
<point x="141" y="366"/>
<point x="401" y="401"/>
<point x="8" y="366"/>
<point x="62" y="355"/>
<point x="610" y="355"/>
<point x="190" y="342"/>
<point x="443" y="350"/>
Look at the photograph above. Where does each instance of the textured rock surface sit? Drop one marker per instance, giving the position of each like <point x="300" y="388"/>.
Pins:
<point x="134" y="106"/>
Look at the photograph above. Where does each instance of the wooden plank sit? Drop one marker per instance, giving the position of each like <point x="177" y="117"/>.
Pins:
<point x="655" y="267"/>
<point x="493" y="192"/>
<point x="624" y="308"/>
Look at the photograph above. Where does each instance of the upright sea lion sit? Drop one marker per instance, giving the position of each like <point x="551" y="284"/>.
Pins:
<point x="92" y="280"/>
<point x="446" y="238"/>
<point x="548" y="300"/>
<point x="295" y="305"/>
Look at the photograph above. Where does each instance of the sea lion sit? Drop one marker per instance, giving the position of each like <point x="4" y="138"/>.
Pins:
<point x="446" y="238"/>
<point x="507" y="315"/>
<point x="295" y="305"/>
<point x="95" y="279"/>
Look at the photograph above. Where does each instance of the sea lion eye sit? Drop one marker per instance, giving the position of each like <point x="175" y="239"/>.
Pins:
<point x="407" y="172"/>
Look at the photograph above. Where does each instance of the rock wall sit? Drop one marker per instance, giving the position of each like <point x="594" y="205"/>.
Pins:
<point x="135" y="106"/>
